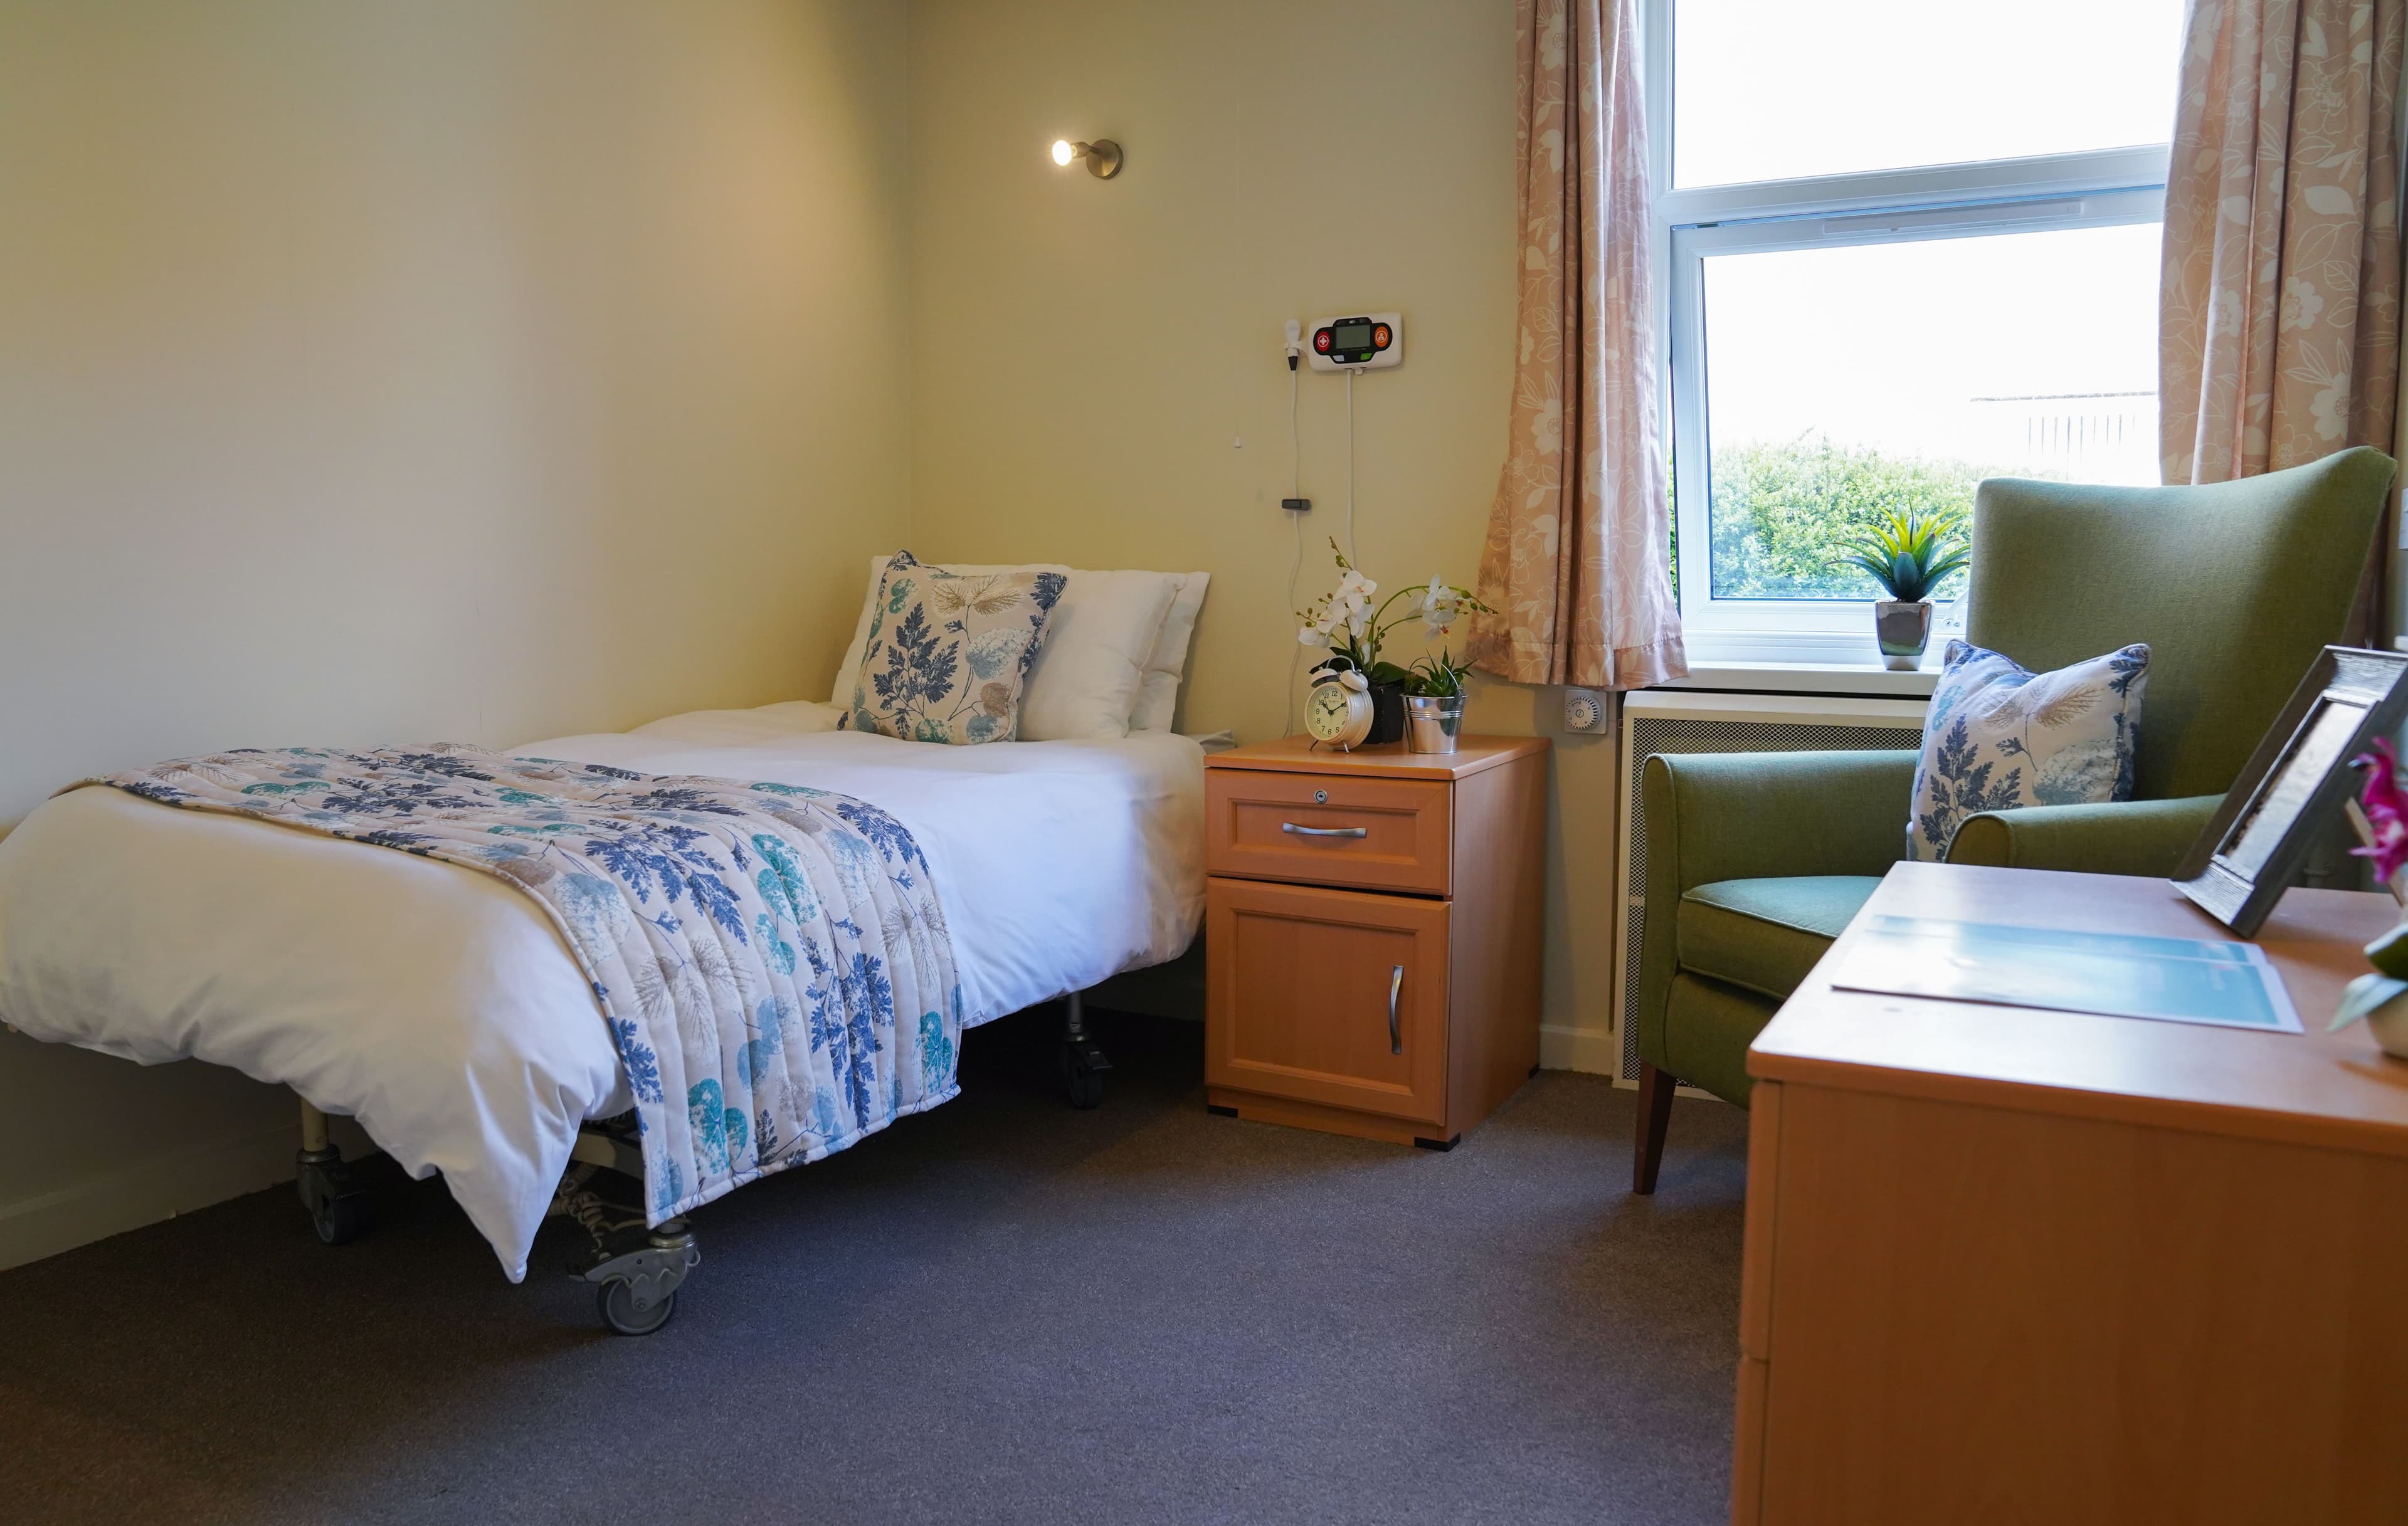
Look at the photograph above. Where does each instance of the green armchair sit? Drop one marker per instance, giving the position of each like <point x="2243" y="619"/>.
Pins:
<point x="1755" y="861"/>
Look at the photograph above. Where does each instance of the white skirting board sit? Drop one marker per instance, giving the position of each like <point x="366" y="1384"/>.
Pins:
<point x="173" y="1182"/>
<point x="1594" y="1050"/>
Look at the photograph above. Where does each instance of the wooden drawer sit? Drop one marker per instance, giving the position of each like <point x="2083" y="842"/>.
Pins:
<point x="1376" y="833"/>
<point x="1332" y="997"/>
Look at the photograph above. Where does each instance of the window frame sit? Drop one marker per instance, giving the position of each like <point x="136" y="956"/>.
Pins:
<point x="2099" y="188"/>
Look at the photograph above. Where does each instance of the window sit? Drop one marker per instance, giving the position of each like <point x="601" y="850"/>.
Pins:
<point x="1909" y="246"/>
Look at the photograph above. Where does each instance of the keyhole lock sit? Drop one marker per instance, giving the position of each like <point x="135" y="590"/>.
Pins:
<point x="1321" y="797"/>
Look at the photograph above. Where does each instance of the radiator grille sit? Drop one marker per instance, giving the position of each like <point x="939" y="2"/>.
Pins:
<point x="1650" y="734"/>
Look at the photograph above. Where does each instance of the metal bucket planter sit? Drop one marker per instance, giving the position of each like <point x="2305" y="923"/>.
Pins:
<point x="1433" y="722"/>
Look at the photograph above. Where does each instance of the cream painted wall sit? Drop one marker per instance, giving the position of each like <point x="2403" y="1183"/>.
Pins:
<point x="1086" y="355"/>
<point x="447" y="369"/>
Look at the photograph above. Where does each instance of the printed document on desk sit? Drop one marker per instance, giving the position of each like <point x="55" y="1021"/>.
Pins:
<point x="2223" y="984"/>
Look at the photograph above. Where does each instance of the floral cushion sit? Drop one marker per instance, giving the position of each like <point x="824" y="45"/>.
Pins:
<point x="948" y="654"/>
<point x="1998" y="738"/>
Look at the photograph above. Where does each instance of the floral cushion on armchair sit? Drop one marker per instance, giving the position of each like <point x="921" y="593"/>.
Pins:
<point x="1998" y="738"/>
<point x="948" y="654"/>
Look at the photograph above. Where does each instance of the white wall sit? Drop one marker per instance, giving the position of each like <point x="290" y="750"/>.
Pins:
<point x="1086" y="354"/>
<point x="449" y="369"/>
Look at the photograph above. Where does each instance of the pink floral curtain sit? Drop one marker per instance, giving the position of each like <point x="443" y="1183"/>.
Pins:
<point x="1575" y="562"/>
<point x="2280" y="303"/>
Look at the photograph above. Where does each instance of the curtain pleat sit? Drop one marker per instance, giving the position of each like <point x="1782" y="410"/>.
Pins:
<point x="2279" y="334"/>
<point x="1576" y="562"/>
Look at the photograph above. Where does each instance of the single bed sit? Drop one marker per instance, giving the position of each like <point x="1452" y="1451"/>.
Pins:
<point x="442" y="1010"/>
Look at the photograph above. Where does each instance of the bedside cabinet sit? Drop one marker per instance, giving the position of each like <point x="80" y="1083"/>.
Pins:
<point x="1372" y="925"/>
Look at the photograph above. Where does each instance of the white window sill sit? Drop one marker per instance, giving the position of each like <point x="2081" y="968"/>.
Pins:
<point x="1761" y="677"/>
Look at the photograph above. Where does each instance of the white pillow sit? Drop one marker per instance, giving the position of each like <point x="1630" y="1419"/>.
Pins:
<point x="1157" y="697"/>
<point x="1092" y="663"/>
<point x="1098" y="642"/>
<point x="1996" y="738"/>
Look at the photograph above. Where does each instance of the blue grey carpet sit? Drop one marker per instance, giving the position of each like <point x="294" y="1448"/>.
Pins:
<point x="1003" y="1311"/>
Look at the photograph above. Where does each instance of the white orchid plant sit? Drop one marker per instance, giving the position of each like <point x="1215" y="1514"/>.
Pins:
<point x="1355" y="629"/>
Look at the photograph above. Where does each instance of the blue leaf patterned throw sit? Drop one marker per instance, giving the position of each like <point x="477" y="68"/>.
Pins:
<point x="948" y="654"/>
<point x="1998" y="738"/>
<point x="771" y="961"/>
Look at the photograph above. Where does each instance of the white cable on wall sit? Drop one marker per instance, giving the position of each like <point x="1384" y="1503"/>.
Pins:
<point x="1295" y="568"/>
<point x="1350" y="473"/>
<point x="1294" y="445"/>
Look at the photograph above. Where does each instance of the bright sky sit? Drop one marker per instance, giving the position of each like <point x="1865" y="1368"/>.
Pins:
<point x="1771" y="89"/>
<point x="1890" y="345"/>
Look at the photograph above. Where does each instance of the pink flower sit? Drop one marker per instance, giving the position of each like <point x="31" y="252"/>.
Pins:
<point x="2386" y="807"/>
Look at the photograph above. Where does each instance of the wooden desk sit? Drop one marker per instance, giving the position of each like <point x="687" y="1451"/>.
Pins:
<point x="2008" y="1266"/>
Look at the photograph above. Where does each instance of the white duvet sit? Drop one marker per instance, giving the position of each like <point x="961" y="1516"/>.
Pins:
<point x="439" y="1007"/>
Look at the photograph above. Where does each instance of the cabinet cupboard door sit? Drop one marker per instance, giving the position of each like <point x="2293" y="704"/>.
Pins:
<point x="1336" y="997"/>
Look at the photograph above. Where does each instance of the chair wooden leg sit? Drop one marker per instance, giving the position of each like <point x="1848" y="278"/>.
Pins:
<point x="1655" y="1114"/>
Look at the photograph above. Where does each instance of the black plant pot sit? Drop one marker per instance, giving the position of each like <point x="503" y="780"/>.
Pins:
<point x="1387" y="713"/>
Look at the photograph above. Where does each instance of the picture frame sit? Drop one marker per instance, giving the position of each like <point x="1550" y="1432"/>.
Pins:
<point x="2296" y="780"/>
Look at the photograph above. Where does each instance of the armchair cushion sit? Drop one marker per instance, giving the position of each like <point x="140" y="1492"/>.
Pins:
<point x="1999" y="737"/>
<point x="1766" y="933"/>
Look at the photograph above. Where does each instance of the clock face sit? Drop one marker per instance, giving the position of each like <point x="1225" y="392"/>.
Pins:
<point x="1338" y="714"/>
<point x="1327" y="713"/>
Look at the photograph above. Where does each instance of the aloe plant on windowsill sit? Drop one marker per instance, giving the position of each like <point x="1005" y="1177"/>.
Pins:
<point x="1909" y="553"/>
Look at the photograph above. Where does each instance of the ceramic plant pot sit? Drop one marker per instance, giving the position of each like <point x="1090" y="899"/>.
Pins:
<point x="1387" y="713"/>
<point x="1902" y="631"/>
<point x="2389" y="1024"/>
<point x="1433" y="722"/>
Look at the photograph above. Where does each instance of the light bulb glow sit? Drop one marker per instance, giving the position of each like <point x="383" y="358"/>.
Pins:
<point x="1062" y="152"/>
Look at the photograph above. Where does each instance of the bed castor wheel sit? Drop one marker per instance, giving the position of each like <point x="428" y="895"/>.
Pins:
<point x="338" y="1207"/>
<point x="1084" y="1067"/>
<point x="617" y="1300"/>
<point x="343" y="1219"/>
<point x="636" y="1279"/>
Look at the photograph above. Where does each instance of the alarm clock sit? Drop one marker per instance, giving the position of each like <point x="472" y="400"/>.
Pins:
<point x="1339" y="710"/>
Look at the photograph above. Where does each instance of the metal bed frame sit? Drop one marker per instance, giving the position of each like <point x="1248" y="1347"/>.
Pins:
<point x="636" y="1272"/>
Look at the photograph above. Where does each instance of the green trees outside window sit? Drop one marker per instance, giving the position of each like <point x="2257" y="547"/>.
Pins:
<point x="1784" y="515"/>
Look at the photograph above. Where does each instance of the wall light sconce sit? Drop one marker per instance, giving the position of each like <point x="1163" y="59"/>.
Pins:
<point x="1103" y="156"/>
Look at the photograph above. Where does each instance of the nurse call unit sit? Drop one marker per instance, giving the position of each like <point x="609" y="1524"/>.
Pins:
<point x="1369" y="342"/>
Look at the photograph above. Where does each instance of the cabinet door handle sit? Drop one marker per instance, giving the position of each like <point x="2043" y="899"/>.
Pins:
<point x="1395" y="986"/>
<point x="1324" y="832"/>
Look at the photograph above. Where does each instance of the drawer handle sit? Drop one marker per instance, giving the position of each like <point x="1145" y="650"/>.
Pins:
<point x="1324" y="832"/>
<point x="1396" y="985"/>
